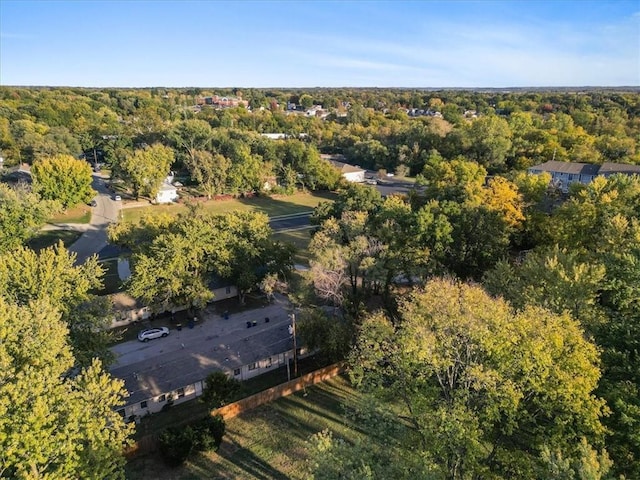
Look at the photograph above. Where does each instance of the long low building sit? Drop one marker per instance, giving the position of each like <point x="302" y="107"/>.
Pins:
<point x="175" y="373"/>
<point x="564" y="174"/>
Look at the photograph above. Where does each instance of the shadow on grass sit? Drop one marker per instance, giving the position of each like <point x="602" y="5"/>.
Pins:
<point x="247" y="464"/>
<point x="49" y="238"/>
<point x="285" y="205"/>
<point x="269" y="442"/>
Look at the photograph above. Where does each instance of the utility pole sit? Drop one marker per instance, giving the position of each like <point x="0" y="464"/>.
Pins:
<point x="286" y="356"/>
<point x="295" y="348"/>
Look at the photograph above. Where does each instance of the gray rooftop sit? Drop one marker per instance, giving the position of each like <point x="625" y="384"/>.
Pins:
<point x="178" y="368"/>
<point x="568" y="167"/>
<point x="611" y="168"/>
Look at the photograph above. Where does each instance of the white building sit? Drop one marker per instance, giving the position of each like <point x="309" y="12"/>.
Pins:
<point x="167" y="194"/>
<point x="349" y="172"/>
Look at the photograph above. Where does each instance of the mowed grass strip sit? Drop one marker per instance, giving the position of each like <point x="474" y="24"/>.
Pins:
<point x="78" y="214"/>
<point x="272" y="206"/>
<point x="269" y="442"/>
<point x="299" y="239"/>
<point x="48" y="238"/>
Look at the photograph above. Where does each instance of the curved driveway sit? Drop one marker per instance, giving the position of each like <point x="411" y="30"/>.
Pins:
<point x="104" y="213"/>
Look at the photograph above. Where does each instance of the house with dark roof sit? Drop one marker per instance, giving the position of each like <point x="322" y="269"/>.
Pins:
<point x="176" y="377"/>
<point x="564" y="174"/>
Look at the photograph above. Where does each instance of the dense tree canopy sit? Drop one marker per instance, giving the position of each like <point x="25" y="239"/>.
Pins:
<point x="179" y="257"/>
<point x="145" y="169"/>
<point x="589" y="265"/>
<point x="27" y="276"/>
<point x="53" y="425"/>
<point x="22" y="213"/>
<point x="486" y="388"/>
<point x="64" y="179"/>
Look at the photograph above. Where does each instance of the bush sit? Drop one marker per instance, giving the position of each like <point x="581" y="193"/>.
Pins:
<point x="176" y="444"/>
<point x="209" y="433"/>
<point x="220" y="390"/>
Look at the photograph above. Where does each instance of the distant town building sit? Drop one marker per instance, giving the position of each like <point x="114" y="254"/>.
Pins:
<point x="222" y="102"/>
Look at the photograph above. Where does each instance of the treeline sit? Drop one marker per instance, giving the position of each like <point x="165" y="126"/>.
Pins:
<point x="544" y="386"/>
<point x="371" y="127"/>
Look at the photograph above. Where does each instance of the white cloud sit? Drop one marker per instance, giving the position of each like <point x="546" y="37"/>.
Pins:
<point x="490" y="54"/>
<point x="16" y="36"/>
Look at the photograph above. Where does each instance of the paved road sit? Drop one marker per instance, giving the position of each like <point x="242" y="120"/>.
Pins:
<point x="290" y="222"/>
<point x="105" y="212"/>
<point x="388" y="187"/>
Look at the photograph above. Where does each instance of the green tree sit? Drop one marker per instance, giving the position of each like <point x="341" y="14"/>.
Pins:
<point x="64" y="179"/>
<point x="172" y="273"/>
<point x="457" y="180"/>
<point x="331" y="336"/>
<point x="485" y="387"/>
<point x="54" y="425"/>
<point x="22" y="213"/>
<point x="219" y="390"/>
<point x="306" y="100"/>
<point x="487" y="140"/>
<point x="27" y="276"/>
<point x="192" y="136"/>
<point x="146" y="168"/>
<point x="209" y="170"/>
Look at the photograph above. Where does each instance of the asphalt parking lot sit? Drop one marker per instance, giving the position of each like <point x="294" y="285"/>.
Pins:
<point x="212" y="331"/>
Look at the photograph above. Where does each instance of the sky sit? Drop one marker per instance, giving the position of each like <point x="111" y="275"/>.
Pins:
<point x="316" y="43"/>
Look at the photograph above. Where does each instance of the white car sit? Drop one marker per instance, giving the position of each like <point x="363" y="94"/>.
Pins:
<point x="117" y="198"/>
<point x="151" y="333"/>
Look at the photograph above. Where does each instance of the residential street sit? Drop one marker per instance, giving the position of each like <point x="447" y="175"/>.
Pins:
<point x="105" y="212"/>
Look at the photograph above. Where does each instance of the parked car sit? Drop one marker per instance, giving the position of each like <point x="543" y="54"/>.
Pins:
<point x="117" y="198"/>
<point x="151" y="333"/>
<point x="94" y="203"/>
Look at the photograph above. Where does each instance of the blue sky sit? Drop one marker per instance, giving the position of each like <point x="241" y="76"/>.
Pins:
<point x="320" y="43"/>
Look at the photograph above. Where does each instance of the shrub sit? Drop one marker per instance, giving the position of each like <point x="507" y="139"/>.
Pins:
<point x="209" y="433"/>
<point x="220" y="390"/>
<point x="175" y="445"/>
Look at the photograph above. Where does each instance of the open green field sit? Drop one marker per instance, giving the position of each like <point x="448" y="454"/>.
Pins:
<point x="272" y="206"/>
<point x="47" y="238"/>
<point x="79" y="214"/>
<point x="300" y="239"/>
<point x="269" y="442"/>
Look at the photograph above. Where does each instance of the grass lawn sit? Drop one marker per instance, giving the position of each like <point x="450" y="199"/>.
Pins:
<point x="300" y="239"/>
<point x="44" y="239"/>
<point x="272" y="206"/>
<point x="111" y="279"/>
<point x="79" y="214"/>
<point x="269" y="442"/>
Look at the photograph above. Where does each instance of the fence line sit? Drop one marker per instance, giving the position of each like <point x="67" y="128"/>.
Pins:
<point x="149" y="443"/>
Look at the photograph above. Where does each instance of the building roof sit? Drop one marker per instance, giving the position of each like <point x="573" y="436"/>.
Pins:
<point x="568" y="167"/>
<point x="611" y="168"/>
<point x="165" y="187"/>
<point x="345" y="167"/>
<point x="179" y="368"/>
